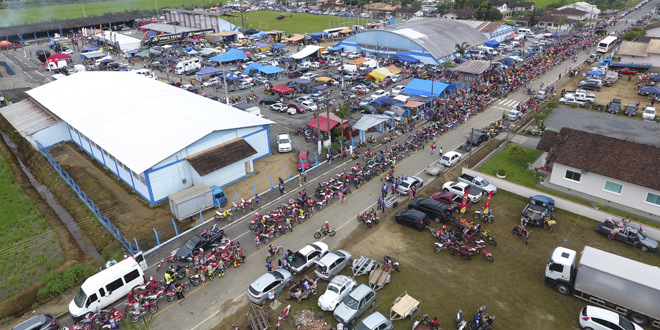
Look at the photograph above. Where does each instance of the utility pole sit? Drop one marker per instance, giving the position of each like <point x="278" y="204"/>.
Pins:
<point x="470" y="142"/>
<point x="240" y="3"/>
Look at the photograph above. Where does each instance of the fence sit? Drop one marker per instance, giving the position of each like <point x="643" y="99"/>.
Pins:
<point x="90" y="203"/>
<point x="570" y="206"/>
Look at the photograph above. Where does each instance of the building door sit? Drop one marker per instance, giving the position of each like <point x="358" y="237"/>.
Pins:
<point x="248" y="168"/>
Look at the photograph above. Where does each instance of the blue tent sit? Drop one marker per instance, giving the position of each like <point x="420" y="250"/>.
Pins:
<point x="378" y="101"/>
<point x="269" y="69"/>
<point x="260" y="44"/>
<point x="167" y="59"/>
<point x="252" y="66"/>
<point x="594" y="73"/>
<point x="336" y="48"/>
<point x="508" y="59"/>
<point x="206" y="71"/>
<point x="286" y="59"/>
<point x="260" y="33"/>
<point x="278" y="47"/>
<point x="315" y="36"/>
<point x="303" y="81"/>
<point x="230" y="76"/>
<point x="650" y="89"/>
<point x="51" y="42"/>
<point x="555" y="35"/>
<point x="407" y="58"/>
<point x="231" y="55"/>
<point x="493" y="43"/>
<point x="133" y="51"/>
<point x="427" y="87"/>
<point x="189" y="48"/>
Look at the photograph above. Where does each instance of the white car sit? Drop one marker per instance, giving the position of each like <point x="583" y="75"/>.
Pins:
<point x="360" y="87"/>
<point x="649" y="113"/>
<point x="315" y="65"/>
<point x="68" y="52"/>
<point x="367" y="101"/>
<point x="279" y="107"/>
<point x="450" y="158"/>
<point x="335" y="63"/>
<point x="283" y="142"/>
<point x="398" y="89"/>
<point x="291" y="111"/>
<point x="337" y="290"/>
<point x="344" y="54"/>
<point x="211" y="81"/>
<point x="597" y="318"/>
<point x="380" y="93"/>
<point x="352" y="55"/>
<point x="396" y="78"/>
<point x="459" y="188"/>
<point x="259" y="56"/>
<point x="310" y="105"/>
<point x="308" y="76"/>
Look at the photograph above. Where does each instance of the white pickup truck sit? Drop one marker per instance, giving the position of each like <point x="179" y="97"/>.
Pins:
<point x="588" y="98"/>
<point x="283" y="142"/>
<point x="571" y="100"/>
<point x="459" y="189"/>
<point x="478" y="182"/>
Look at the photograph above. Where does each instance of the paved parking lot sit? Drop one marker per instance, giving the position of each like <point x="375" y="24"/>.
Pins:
<point x="605" y="124"/>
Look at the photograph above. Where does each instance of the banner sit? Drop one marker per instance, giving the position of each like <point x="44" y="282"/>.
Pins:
<point x="464" y="202"/>
<point x="487" y="206"/>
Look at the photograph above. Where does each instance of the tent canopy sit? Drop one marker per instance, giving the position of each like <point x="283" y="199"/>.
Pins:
<point x="369" y="121"/>
<point x="278" y="47"/>
<point x="282" y="89"/>
<point x="508" y="59"/>
<point x="309" y="50"/>
<point x="594" y="73"/>
<point x="380" y="73"/>
<point x="393" y="69"/>
<point x="650" y="89"/>
<point x="269" y="69"/>
<point x="261" y="44"/>
<point x="252" y="66"/>
<point x="303" y="81"/>
<point x="358" y="61"/>
<point x="407" y="58"/>
<point x="427" y="87"/>
<point x="512" y="35"/>
<point x="205" y="71"/>
<point x="297" y="37"/>
<point x="167" y="59"/>
<point x="493" y="43"/>
<point x="655" y="77"/>
<point x="230" y="55"/>
<point x="346" y="31"/>
<point x="336" y="48"/>
<point x="413" y="104"/>
<point x="323" y="122"/>
<point x="324" y="79"/>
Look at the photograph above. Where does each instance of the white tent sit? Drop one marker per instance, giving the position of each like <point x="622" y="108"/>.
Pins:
<point x="309" y="50"/>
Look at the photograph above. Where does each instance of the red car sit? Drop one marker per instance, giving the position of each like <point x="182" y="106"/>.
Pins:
<point x="451" y="199"/>
<point x="293" y="74"/>
<point x="295" y="105"/>
<point x="303" y="160"/>
<point x="386" y="82"/>
<point x="628" y="71"/>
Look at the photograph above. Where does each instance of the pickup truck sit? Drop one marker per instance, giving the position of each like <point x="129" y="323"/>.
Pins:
<point x="614" y="106"/>
<point x="199" y="242"/>
<point x="435" y="168"/>
<point x="454" y="201"/>
<point x="608" y="62"/>
<point x="571" y="100"/>
<point x="538" y="208"/>
<point x="582" y="96"/>
<point x="478" y="182"/>
<point x="283" y="142"/>
<point x="581" y="91"/>
<point x="649" y="113"/>
<point x="459" y="188"/>
<point x="630" y="235"/>
<point x="631" y="110"/>
<point x="305" y="257"/>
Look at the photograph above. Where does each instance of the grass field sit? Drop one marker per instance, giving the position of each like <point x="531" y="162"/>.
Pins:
<point x="516" y="171"/>
<point x="27" y="248"/>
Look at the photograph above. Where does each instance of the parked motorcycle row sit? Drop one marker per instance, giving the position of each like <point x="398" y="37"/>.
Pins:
<point x="456" y="241"/>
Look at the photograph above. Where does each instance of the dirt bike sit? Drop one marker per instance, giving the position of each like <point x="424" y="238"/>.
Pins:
<point x="389" y="261"/>
<point x="171" y="294"/>
<point x="152" y="307"/>
<point x="248" y="203"/>
<point x="491" y="238"/>
<point x="321" y="231"/>
<point x="520" y="230"/>
<point x="277" y="250"/>
<point x="486" y="217"/>
<point x="549" y="224"/>
<point x="480" y="250"/>
<point x="221" y="215"/>
<point x="466" y="253"/>
<point x="237" y="207"/>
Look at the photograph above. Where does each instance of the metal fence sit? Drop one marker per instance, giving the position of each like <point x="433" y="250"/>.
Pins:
<point x="90" y="203"/>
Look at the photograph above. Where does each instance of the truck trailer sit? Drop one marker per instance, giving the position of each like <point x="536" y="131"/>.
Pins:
<point x="191" y="201"/>
<point x="607" y="280"/>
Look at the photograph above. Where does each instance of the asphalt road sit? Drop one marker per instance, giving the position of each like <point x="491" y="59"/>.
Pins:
<point x="205" y="306"/>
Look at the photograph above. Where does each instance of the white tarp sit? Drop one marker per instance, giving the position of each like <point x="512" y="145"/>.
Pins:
<point x="309" y="50"/>
<point x="124" y="41"/>
<point x="369" y="121"/>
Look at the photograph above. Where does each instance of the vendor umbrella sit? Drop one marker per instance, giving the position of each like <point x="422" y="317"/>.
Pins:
<point x="5" y="43"/>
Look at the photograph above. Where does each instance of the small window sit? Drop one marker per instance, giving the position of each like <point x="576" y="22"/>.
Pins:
<point x="143" y="179"/>
<point x="84" y="137"/>
<point x="102" y="292"/>
<point x="557" y="268"/>
<point x="105" y="153"/>
<point x="92" y="299"/>
<point x="613" y="187"/>
<point x="115" y="285"/>
<point x="653" y="199"/>
<point x="74" y="130"/>
<point x="134" y="174"/>
<point x="573" y="176"/>
<point x="131" y="276"/>
<point x="120" y="164"/>
<point x="271" y="286"/>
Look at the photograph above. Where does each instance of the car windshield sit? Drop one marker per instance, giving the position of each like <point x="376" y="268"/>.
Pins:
<point x="284" y="141"/>
<point x="649" y="111"/>
<point x="277" y="275"/>
<point x="80" y="298"/>
<point x="350" y="302"/>
<point x="445" y="158"/>
<point x="484" y="183"/>
<point x="625" y="324"/>
<point x="333" y="288"/>
<point x="191" y="244"/>
<point x="361" y="326"/>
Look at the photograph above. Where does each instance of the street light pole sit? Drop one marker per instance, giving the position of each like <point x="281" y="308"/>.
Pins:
<point x="470" y="142"/>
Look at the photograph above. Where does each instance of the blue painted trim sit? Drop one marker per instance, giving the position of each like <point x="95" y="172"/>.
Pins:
<point x="90" y="147"/>
<point x="151" y="192"/>
<point x="268" y="136"/>
<point x="103" y="156"/>
<point x="168" y="165"/>
<point x="79" y="139"/>
<point x="130" y="174"/>
<point x="117" y="169"/>
<point x="253" y="133"/>
<point x="69" y="127"/>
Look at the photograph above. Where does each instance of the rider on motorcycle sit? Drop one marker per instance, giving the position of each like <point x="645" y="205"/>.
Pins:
<point x="326" y="228"/>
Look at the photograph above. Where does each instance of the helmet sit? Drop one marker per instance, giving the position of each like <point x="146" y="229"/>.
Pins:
<point x="326" y="222"/>
<point x="213" y="250"/>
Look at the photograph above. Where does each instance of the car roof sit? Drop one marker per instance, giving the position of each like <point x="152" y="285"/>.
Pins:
<point x="373" y="320"/>
<point x="603" y="314"/>
<point x="360" y="291"/>
<point x="415" y="213"/>
<point x="451" y="153"/>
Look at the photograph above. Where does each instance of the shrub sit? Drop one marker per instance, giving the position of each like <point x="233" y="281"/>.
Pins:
<point x="58" y="283"/>
<point x="553" y="104"/>
<point x="501" y="172"/>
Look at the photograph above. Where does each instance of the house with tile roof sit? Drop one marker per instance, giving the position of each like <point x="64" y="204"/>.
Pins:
<point x="641" y="51"/>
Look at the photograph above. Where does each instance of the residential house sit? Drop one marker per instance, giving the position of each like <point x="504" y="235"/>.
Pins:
<point x="470" y="72"/>
<point x="503" y="7"/>
<point x="570" y="13"/>
<point x="547" y="22"/>
<point x="457" y="14"/>
<point x="409" y="12"/>
<point x="643" y="51"/>
<point x="607" y="169"/>
<point x="653" y="30"/>
<point x="592" y="10"/>
<point x="521" y="6"/>
<point x="492" y="30"/>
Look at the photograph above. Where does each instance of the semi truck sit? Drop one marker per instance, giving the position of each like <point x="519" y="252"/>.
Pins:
<point x="625" y="286"/>
<point x="189" y="202"/>
<point x="187" y="65"/>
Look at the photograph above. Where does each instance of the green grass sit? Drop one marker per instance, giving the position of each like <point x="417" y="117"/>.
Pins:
<point x="26" y="252"/>
<point x="299" y="23"/>
<point x="516" y="171"/>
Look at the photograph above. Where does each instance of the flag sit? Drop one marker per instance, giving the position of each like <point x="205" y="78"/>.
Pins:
<point x="464" y="202"/>
<point x="487" y="206"/>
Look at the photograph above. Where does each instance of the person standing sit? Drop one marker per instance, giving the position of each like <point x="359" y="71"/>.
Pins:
<point x="340" y="195"/>
<point x="440" y="152"/>
<point x="379" y="203"/>
<point x="384" y="189"/>
<point x="305" y="177"/>
<point x="281" y="187"/>
<point x="432" y="148"/>
<point x="256" y="241"/>
<point x="256" y="199"/>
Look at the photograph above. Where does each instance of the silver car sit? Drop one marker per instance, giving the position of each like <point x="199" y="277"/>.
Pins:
<point x="332" y="263"/>
<point x="375" y="321"/>
<point x="409" y="183"/>
<point x="357" y="302"/>
<point x="276" y="280"/>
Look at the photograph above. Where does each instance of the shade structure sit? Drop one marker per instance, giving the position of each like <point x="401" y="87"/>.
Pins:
<point x="380" y="74"/>
<point x="303" y="81"/>
<point x="557" y="35"/>
<point x="231" y="76"/>
<point x="369" y="121"/>
<point x="207" y="71"/>
<point x="650" y="89"/>
<point x="358" y="61"/>
<point x="407" y="58"/>
<point x="323" y="122"/>
<point x="261" y="34"/>
<point x="594" y="73"/>
<point x="5" y="43"/>
<point x="269" y="69"/>
<point x="655" y="77"/>
<point x="133" y="51"/>
<point x="287" y="59"/>
<point x="336" y="48"/>
<point x="278" y="47"/>
<point x="167" y="59"/>
<point x="252" y="31"/>
<point x="393" y="69"/>
<point x="282" y="89"/>
<point x="508" y="59"/>
<point x="346" y="31"/>
<point x="493" y="43"/>
<point x="252" y="66"/>
<point x="296" y="38"/>
<point x="230" y="55"/>
<point x="427" y="87"/>
<point x="324" y="79"/>
<point x="261" y="44"/>
<point x="413" y="104"/>
<point x="308" y="50"/>
<point x="143" y="53"/>
<point x="55" y="58"/>
<point x="512" y="35"/>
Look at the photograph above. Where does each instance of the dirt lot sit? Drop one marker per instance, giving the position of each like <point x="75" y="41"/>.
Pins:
<point x="512" y="287"/>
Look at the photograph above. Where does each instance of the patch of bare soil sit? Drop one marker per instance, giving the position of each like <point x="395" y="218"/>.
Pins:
<point x="275" y="165"/>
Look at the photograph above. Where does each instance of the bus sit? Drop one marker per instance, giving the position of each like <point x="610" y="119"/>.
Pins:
<point x="606" y="44"/>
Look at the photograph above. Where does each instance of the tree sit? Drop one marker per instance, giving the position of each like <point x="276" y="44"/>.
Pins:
<point x="558" y="22"/>
<point x="517" y="152"/>
<point x="146" y="324"/>
<point x="634" y="34"/>
<point x="553" y="6"/>
<point x="462" y="48"/>
<point x="416" y="5"/>
<point x="532" y="19"/>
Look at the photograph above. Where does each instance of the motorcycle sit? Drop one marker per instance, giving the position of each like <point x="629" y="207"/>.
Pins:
<point x="270" y="256"/>
<point x="150" y="286"/>
<point x="611" y="224"/>
<point x="237" y="207"/>
<point x="248" y="203"/>
<point x="520" y="230"/>
<point x="152" y="307"/>
<point x="221" y="215"/>
<point x="466" y="253"/>
<point x="172" y="293"/>
<point x="549" y="224"/>
<point x="480" y="250"/>
<point x="460" y="321"/>
<point x="486" y="234"/>
<point x="486" y="217"/>
<point x="321" y="231"/>
<point x="389" y="261"/>
<point x="171" y="259"/>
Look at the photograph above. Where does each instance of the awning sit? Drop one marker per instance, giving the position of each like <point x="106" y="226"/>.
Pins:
<point x="269" y="69"/>
<point x="309" y="50"/>
<point x="380" y="73"/>
<point x="303" y="81"/>
<point x="512" y="35"/>
<point x="336" y="48"/>
<point x="427" y="87"/>
<point x="594" y="73"/>
<point x="346" y="31"/>
<point x="252" y="66"/>
<point x="650" y="89"/>
<point x="324" y="79"/>
<point x="493" y="43"/>
<point x="278" y="47"/>
<point x="413" y="104"/>
<point x="393" y="69"/>
<point x="369" y="121"/>
<point x="206" y="71"/>
<point x="282" y="89"/>
<point x="230" y="55"/>
<point x="358" y="61"/>
<point x="407" y="58"/>
<point x="323" y="122"/>
<point x="296" y="38"/>
<point x="379" y="101"/>
<point x="320" y="88"/>
<point x="655" y="77"/>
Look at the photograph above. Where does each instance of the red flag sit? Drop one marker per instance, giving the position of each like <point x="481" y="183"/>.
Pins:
<point x="487" y="206"/>
<point x="464" y="202"/>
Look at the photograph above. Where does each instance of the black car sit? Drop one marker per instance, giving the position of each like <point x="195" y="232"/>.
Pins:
<point x="631" y="110"/>
<point x="199" y="242"/>
<point x="368" y="109"/>
<point x="614" y="106"/>
<point x="191" y="72"/>
<point x="268" y="100"/>
<point x="477" y="138"/>
<point x="41" y="322"/>
<point x="413" y="218"/>
<point x="591" y="86"/>
<point x="436" y="210"/>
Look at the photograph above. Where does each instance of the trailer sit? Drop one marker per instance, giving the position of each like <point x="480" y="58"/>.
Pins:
<point x="363" y="266"/>
<point x="379" y="276"/>
<point x="190" y="202"/>
<point x="257" y="318"/>
<point x="434" y="168"/>
<point x="608" y="62"/>
<point x="404" y="306"/>
<point x="622" y="285"/>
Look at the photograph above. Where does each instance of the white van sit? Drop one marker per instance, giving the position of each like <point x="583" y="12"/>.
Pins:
<point x="325" y="54"/>
<point x="111" y="284"/>
<point x="476" y="52"/>
<point x="525" y="32"/>
<point x="490" y="51"/>
<point x="187" y="65"/>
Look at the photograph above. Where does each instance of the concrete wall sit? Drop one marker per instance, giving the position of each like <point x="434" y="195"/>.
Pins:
<point x="564" y="204"/>
<point x="51" y="135"/>
<point x="653" y="59"/>
<point x="593" y="184"/>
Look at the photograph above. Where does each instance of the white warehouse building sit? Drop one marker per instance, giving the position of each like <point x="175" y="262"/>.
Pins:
<point x="157" y="138"/>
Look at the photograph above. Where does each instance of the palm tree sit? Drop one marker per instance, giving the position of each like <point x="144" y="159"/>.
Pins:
<point x="559" y="21"/>
<point x="344" y="113"/>
<point x="462" y="48"/>
<point x="145" y="324"/>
